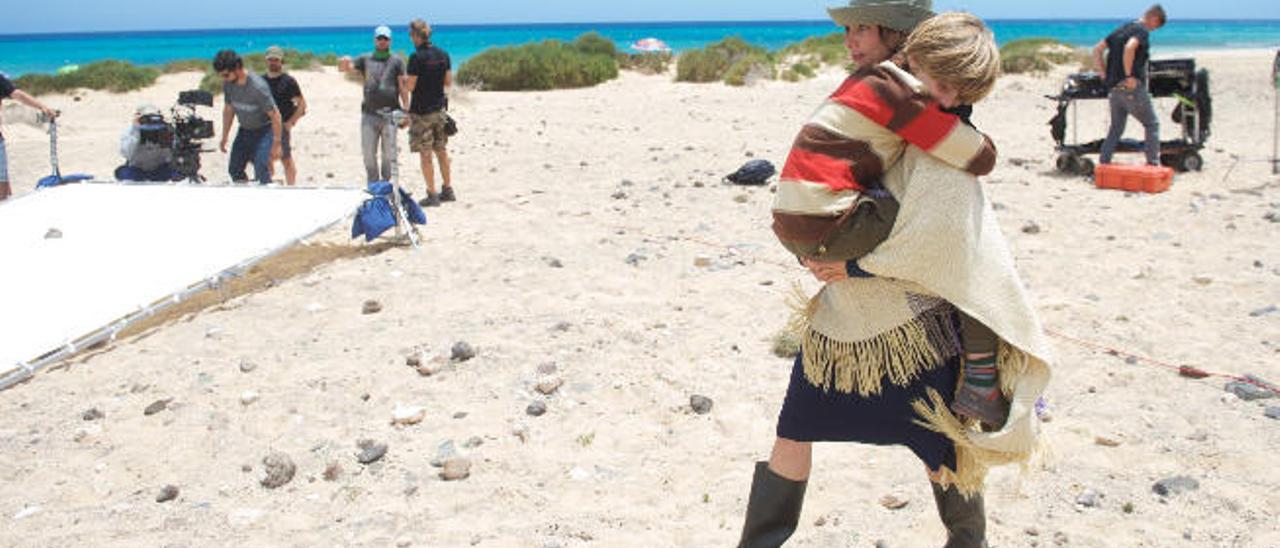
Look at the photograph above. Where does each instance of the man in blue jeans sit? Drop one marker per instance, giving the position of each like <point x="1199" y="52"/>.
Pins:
<point x="248" y="97"/>
<point x="1125" y="66"/>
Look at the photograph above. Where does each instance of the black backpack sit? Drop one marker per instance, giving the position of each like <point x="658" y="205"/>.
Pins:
<point x="755" y="172"/>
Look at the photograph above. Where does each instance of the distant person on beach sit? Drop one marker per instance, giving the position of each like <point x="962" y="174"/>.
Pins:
<point x="293" y="106"/>
<point x="147" y="148"/>
<point x="876" y="351"/>
<point x="1124" y="67"/>
<point x="430" y="72"/>
<point x="382" y="72"/>
<point x="9" y="91"/>
<point x="248" y="98"/>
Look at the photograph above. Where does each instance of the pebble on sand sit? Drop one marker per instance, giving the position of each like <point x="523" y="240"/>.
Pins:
<point x="700" y="404"/>
<point x="371" y="307"/>
<point x="279" y="470"/>
<point x="894" y="502"/>
<point x="549" y="386"/>
<point x="1175" y="486"/>
<point x="408" y="414"/>
<point x="332" y="471"/>
<point x="370" y="451"/>
<point x="167" y="493"/>
<point x="536" y="409"/>
<point x="456" y="469"/>
<point x="157" y="406"/>
<point x="462" y="351"/>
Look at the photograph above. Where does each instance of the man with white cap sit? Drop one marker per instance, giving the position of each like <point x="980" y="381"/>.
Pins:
<point x="382" y="72"/>
<point x="147" y="147"/>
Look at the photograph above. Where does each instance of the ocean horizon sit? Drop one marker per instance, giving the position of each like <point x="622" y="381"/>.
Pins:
<point x="47" y="52"/>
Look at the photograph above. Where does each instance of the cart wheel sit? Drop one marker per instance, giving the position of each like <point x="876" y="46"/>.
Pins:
<point x="1192" y="161"/>
<point x="1066" y="163"/>
<point x="1084" y="166"/>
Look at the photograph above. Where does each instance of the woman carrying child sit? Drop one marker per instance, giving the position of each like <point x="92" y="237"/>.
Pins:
<point x="879" y="200"/>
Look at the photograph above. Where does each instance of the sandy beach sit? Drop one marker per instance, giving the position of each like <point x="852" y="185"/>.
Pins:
<point x="594" y="254"/>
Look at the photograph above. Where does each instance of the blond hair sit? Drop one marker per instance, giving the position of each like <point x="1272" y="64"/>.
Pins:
<point x="956" y="49"/>
<point x="420" y="28"/>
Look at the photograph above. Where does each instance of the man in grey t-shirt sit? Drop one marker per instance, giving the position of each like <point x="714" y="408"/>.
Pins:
<point x="248" y="98"/>
<point x="382" y="72"/>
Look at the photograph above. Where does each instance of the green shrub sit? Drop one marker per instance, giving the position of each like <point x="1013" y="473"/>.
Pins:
<point x="749" y="68"/>
<point x="186" y="65"/>
<point x="1035" y="55"/>
<point x="592" y="43"/>
<point x="114" y="76"/>
<point x="819" y="50"/>
<point x="712" y="63"/>
<point x="550" y="64"/>
<point x="211" y="83"/>
<point x="649" y="62"/>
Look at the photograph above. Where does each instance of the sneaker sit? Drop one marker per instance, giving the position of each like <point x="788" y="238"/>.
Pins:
<point x="432" y="200"/>
<point x="446" y="194"/>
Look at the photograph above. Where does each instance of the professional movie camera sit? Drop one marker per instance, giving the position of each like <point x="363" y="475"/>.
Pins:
<point x="183" y="135"/>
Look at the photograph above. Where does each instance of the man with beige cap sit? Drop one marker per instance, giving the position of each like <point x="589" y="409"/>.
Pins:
<point x="293" y="106"/>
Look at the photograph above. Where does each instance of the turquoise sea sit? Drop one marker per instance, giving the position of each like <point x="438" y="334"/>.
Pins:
<point x="24" y="53"/>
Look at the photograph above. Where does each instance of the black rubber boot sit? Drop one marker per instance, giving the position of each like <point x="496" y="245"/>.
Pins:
<point x="965" y="519"/>
<point x="773" y="510"/>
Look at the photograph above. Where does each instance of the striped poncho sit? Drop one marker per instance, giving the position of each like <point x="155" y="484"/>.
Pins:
<point x="852" y="139"/>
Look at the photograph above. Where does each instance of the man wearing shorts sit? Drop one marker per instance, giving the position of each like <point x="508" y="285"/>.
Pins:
<point x="288" y="98"/>
<point x="429" y="73"/>
<point x="7" y="91"/>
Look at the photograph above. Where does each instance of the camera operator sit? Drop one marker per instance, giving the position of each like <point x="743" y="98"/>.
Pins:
<point x="147" y="147"/>
<point x="292" y="105"/>
<point x="7" y="91"/>
<point x="247" y="97"/>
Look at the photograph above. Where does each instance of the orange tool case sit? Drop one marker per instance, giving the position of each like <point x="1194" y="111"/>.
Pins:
<point x="1141" y="178"/>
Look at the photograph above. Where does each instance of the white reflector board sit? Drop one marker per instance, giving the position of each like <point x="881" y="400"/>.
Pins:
<point x="79" y="258"/>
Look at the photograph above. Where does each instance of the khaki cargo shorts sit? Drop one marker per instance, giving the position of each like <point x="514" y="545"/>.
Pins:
<point x="426" y="132"/>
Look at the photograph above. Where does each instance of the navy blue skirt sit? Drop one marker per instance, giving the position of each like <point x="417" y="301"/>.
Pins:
<point x="810" y="414"/>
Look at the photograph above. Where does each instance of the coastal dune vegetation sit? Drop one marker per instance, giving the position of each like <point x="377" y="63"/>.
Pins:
<point x="588" y="60"/>
<point x="1038" y="55"/>
<point x="551" y="64"/>
<point x="122" y="76"/>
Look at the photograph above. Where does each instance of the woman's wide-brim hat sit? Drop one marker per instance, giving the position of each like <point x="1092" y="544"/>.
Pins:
<point x="901" y="15"/>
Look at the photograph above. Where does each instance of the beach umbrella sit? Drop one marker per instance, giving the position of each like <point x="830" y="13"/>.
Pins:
<point x="650" y="45"/>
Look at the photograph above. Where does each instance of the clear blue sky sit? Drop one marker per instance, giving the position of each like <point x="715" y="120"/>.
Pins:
<point x="38" y="16"/>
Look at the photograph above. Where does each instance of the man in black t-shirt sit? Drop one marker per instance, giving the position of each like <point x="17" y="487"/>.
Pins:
<point x="1125" y="69"/>
<point x="429" y="73"/>
<point x="292" y="106"/>
<point x="9" y="91"/>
